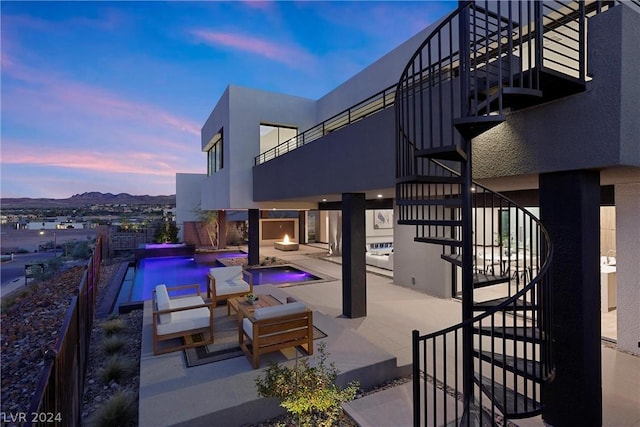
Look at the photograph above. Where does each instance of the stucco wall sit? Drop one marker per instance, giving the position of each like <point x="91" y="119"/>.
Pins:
<point x="356" y="158"/>
<point x="418" y="265"/>
<point x="595" y="129"/>
<point x="628" y="268"/>
<point x="240" y="112"/>
<point x="187" y="198"/>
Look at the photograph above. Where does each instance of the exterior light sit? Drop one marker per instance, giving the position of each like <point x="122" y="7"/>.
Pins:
<point x="379" y="196"/>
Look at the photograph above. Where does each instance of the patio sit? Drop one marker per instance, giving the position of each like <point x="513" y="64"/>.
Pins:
<point x="372" y="349"/>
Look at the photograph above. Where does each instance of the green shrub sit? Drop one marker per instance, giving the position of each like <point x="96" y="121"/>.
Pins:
<point x="112" y="326"/>
<point x="118" y="368"/>
<point x="113" y="344"/>
<point x="308" y="392"/>
<point x="119" y="410"/>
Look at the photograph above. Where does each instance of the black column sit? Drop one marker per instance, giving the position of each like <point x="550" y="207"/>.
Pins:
<point x="302" y="226"/>
<point x="570" y="210"/>
<point x="254" y="237"/>
<point x="354" y="278"/>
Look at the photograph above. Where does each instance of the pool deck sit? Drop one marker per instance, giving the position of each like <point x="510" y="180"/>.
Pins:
<point x="372" y="348"/>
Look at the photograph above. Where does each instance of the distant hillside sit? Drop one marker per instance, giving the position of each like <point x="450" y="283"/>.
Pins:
<point x="84" y="199"/>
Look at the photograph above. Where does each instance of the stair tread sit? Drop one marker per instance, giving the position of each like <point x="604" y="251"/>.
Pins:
<point x="437" y="222"/>
<point x="470" y="127"/>
<point x="450" y="152"/>
<point x="429" y="179"/>
<point x="480" y="280"/>
<point x="509" y="402"/>
<point x="489" y="304"/>
<point x="518" y="333"/>
<point x="447" y="241"/>
<point x="531" y="369"/>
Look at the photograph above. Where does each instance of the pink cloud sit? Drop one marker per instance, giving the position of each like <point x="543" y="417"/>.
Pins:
<point x="160" y="163"/>
<point x="286" y="54"/>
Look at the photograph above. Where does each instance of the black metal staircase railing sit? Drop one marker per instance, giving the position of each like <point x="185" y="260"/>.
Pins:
<point x="483" y="61"/>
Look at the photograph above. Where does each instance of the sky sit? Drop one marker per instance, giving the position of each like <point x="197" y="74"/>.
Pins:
<point x="111" y="96"/>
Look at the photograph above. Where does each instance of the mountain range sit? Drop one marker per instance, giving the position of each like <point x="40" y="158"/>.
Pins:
<point x="84" y="199"/>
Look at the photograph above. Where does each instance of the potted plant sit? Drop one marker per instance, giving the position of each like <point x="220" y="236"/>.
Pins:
<point x="252" y="298"/>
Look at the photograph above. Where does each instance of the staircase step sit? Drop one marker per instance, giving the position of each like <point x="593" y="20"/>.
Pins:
<point x="446" y="241"/>
<point x="452" y="152"/>
<point x="429" y="179"/>
<point x="470" y="127"/>
<point x="455" y="259"/>
<point x="431" y="222"/>
<point x="512" y="404"/>
<point x="530" y="369"/>
<point x="490" y="304"/>
<point x="518" y="333"/>
<point x="480" y="280"/>
<point x="451" y="201"/>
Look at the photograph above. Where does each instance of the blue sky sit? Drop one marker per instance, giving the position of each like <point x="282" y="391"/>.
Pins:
<point x="110" y="96"/>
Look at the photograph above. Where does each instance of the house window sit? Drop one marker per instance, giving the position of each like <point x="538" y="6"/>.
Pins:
<point x="272" y="135"/>
<point x="215" y="154"/>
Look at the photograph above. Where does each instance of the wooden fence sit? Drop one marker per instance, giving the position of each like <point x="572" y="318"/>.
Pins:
<point x="58" y="397"/>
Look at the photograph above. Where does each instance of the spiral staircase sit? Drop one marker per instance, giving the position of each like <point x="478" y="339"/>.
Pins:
<point x="482" y="62"/>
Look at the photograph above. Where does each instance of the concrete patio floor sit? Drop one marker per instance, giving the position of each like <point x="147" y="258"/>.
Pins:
<point x="373" y="348"/>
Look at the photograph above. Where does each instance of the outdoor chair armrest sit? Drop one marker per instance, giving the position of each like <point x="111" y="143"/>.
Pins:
<point x="182" y="287"/>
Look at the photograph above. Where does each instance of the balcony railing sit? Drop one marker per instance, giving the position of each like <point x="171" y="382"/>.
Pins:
<point x="369" y="106"/>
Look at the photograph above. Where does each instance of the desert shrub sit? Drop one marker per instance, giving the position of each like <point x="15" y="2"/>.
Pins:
<point x="112" y="326"/>
<point x="309" y="393"/>
<point x="16" y="296"/>
<point x="113" y="344"/>
<point x="119" y="410"/>
<point x="117" y="369"/>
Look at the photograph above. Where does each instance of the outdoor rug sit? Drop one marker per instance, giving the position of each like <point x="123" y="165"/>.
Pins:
<point x="226" y="341"/>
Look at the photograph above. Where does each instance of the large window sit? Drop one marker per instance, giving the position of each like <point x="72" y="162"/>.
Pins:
<point x="215" y="154"/>
<point x="272" y="135"/>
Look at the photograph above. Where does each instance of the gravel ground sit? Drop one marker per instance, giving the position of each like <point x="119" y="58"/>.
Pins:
<point x="30" y="326"/>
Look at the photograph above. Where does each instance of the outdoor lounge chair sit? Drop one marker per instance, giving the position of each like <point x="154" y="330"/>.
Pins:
<point x="180" y="317"/>
<point x="228" y="282"/>
<point x="275" y="328"/>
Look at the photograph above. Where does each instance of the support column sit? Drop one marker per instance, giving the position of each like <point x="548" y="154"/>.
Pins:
<point x="570" y="211"/>
<point x="222" y="229"/>
<point x="254" y="237"/>
<point x="354" y="277"/>
<point x="302" y="227"/>
<point x="627" y="266"/>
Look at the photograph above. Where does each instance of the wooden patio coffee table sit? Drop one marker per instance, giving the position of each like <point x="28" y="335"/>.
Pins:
<point x="245" y="309"/>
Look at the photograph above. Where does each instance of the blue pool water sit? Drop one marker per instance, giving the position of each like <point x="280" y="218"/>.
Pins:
<point x="140" y="280"/>
<point x="280" y="274"/>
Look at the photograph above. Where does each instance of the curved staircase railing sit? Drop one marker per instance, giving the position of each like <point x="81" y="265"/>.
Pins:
<point x="483" y="61"/>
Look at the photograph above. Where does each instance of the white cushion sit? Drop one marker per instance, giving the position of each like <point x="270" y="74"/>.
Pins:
<point x="247" y="326"/>
<point x="224" y="274"/>
<point x="231" y="287"/>
<point x="185" y="301"/>
<point x="279" y="310"/>
<point x="164" y="303"/>
<point x="186" y="320"/>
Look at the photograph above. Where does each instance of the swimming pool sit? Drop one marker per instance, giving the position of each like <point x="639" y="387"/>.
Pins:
<point x="279" y="275"/>
<point x="141" y="278"/>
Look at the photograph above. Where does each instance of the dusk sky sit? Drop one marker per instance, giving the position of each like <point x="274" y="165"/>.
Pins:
<point x="111" y="96"/>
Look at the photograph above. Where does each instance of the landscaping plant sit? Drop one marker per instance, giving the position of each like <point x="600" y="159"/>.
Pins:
<point x="309" y="393"/>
